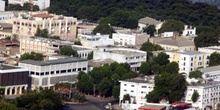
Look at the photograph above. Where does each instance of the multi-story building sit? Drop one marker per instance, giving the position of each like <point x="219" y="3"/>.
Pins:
<point x="95" y="40"/>
<point x="133" y="57"/>
<point x="209" y="94"/>
<point x="212" y="73"/>
<point x="137" y="88"/>
<point x="50" y="46"/>
<point x="43" y="4"/>
<point x="48" y="73"/>
<point x="189" y="60"/>
<point x="133" y="39"/>
<point x="26" y="25"/>
<point x="210" y="49"/>
<point x="5" y="30"/>
<point x="14" y="80"/>
<point x="2" y="5"/>
<point x="6" y="15"/>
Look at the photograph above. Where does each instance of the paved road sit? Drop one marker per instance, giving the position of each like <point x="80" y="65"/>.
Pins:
<point x="91" y="104"/>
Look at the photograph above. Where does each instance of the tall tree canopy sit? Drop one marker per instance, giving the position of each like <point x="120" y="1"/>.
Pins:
<point x="214" y="59"/>
<point x="103" y="28"/>
<point x="172" y="25"/>
<point x="68" y="50"/>
<point x="32" y="56"/>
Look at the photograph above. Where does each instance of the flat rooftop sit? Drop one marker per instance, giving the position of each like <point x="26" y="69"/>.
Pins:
<point x="188" y="52"/>
<point x="211" y="83"/>
<point x="140" y="80"/>
<point x="97" y="63"/>
<point x="53" y="62"/>
<point x="210" y="69"/>
<point x="153" y="106"/>
<point x="8" y="67"/>
<point x="126" y="52"/>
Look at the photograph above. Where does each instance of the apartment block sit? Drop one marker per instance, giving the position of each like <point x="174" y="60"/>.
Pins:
<point x="189" y="60"/>
<point x="137" y="88"/>
<point x="48" y="73"/>
<point x="211" y="73"/>
<point x="26" y="25"/>
<point x="209" y="95"/>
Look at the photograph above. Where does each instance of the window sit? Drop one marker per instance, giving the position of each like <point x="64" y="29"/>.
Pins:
<point x="42" y="73"/>
<point x="69" y="70"/>
<point x="47" y="73"/>
<point x="57" y="72"/>
<point x="132" y="91"/>
<point x="32" y="72"/>
<point x="63" y="71"/>
<point x="125" y="84"/>
<point x="37" y="73"/>
<point x="132" y="85"/>
<point x="184" y="58"/>
<point x="52" y="72"/>
<point x="192" y="59"/>
<point x="74" y="69"/>
<point x="144" y="86"/>
<point x="84" y="69"/>
<point x="79" y="69"/>
<point x="125" y="90"/>
<point x="191" y="64"/>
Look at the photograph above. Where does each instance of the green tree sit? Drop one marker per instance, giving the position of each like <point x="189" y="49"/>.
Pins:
<point x="42" y="33"/>
<point x="206" y="39"/>
<point x="195" y="96"/>
<point x="156" y="68"/>
<point x="77" y="43"/>
<point x="68" y="50"/>
<point x="79" y="97"/>
<point x="195" y="74"/>
<point x="172" y="25"/>
<point x="172" y="68"/>
<point x="145" y="68"/>
<point x="127" y="97"/>
<point x="115" y="77"/>
<point x="104" y="87"/>
<point x="90" y="56"/>
<point x="150" y="30"/>
<point x="149" y="47"/>
<point x="84" y="83"/>
<point x="116" y="91"/>
<point x="7" y="106"/>
<point x="161" y="59"/>
<point x="214" y="59"/>
<point x="103" y="28"/>
<point x="168" y="86"/>
<point x="32" y="56"/>
<point x="55" y="37"/>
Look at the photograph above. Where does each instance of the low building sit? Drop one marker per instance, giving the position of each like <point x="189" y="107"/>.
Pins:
<point x="26" y="25"/>
<point x="133" y="39"/>
<point x="97" y="63"/>
<point x="15" y="80"/>
<point x="174" y="43"/>
<point x="189" y="60"/>
<point x="83" y="52"/>
<point x="212" y="73"/>
<point x="2" y="5"/>
<point x="93" y="41"/>
<point x="208" y="95"/>
<point x="210" y="49"/>
<point x="5" y="30"/>
<point x="46" y="74"/>
<point x="6" y="15"/>
<point x="143" y="22"/>
<point x="133" y="57"/>
<point x="137" y="88"/>
<point x="170" y="34"/>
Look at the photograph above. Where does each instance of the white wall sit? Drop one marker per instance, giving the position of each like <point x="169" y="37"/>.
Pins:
<point x="2" y="5"/>
<point x="189" y="31"/>
<point x="5" y="15"/>
<point x="167" y="34"/>
<point x="124" y="39"/>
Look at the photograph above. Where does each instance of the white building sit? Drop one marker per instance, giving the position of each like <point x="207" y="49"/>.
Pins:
<point x="95" y="40"/>
<point x="6" y="15"/>
<point x="209" y="94"/>
<point x="189" y="31"/>
<point x="122" y="55"/>
<point x="170" y="34"/>
<point x="137" y="88"/>
<point x="83" y="52"/>
<point x="48" y="73"/>
<point x="43" y="4"/>
<point x="210" y="49"/>
<point x="143" y="22"/>
<point x="211" y="73"/>
<point x="189" y="60"/>
<point x="2" y="5"/>
<point x="133" y="39"/>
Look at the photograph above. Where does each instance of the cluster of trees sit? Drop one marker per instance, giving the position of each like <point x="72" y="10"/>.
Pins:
<point x="104" y="80"/>
<point x="214" y="59"/>
<point x="103" y="28"/>
<point x="32" y="56"/>
<point x="45" y="34"/>
<point x="149" y="47"/>
<point x="18" y="7"/>
<point x="34" y="100"/>
<point x="69" y="51"/>
<point x="126" y="13"/>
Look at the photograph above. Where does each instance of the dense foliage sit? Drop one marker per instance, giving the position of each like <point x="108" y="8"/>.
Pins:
<point x="126" y="13"/>
<point x="32" y="56"/>
<point x="172" y="25"/>
<point x="150" y="30"/>
<point x="18" y="7"/>
<point x="195" y="96"/>
<point x="103" y="28"/>
<point x="39" y="100"/>
<point x="42" y="33"/>
<point x="104" y="80"/>
<point x="68" y="50"/>
<point x="214" y="59"/>
<point x="195" y="74"/>
<point x="149" y="47"/>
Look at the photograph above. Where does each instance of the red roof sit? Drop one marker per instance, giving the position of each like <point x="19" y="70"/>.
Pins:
<point x="181" y="104"/>
<point x="43" y="15"/>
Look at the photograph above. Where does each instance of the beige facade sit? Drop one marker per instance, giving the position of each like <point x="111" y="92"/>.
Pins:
<point x="27" y="25"/>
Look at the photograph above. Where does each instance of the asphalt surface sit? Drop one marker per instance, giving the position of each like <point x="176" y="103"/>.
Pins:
<point x="90" y="104"/>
